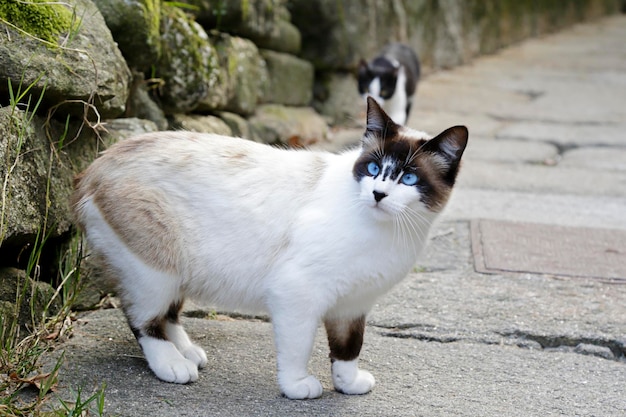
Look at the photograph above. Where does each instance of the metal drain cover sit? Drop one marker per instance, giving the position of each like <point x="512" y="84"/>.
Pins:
<point x="500" y="246"/>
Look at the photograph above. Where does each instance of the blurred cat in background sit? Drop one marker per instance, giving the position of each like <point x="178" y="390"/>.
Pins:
<point x="391" y="79"/>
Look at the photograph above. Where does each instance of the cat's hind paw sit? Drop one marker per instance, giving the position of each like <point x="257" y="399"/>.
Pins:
<point x="302" y="389"/>
<point x="349" y="379"/>
<point x="177" y="370"/>
<point x="196" y="355"/>
<point x="167" y="363"/>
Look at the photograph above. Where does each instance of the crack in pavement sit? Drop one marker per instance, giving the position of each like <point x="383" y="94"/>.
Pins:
<point x="614" y="349"/>
<point x="602" y="347"/>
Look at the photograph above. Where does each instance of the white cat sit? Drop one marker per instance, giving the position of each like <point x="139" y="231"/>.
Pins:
<point x="306" y="236"/>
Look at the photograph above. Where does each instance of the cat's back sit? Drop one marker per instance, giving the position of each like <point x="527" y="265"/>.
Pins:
<point x="175" y="161"/>
<point x="181" y="200"/>
<point x="180" y="151"/>
<point x="198" y="180"/>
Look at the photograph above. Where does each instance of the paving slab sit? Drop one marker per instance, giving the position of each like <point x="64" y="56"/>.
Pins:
<point x="444" y="95"/>
<point x="542" y="179"/>
<point x="510" y="151"/>
<point x="567" y="136"/>
<point x="546" y="249"/>
<point x="528" y="206"/>
<point x="435" y="121"/>
<point x="605" y="158"/>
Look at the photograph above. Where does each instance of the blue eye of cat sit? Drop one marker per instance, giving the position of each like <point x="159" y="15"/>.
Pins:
<point x="409" y="179"/>
<point x="373" y="169"/>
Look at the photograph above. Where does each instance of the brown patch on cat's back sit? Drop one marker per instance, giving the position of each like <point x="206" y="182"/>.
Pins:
<point x="131" y="146"/>
<point x="87" y="182"/>
<point x="142" y="221"/>
<point x="237" y="158"/>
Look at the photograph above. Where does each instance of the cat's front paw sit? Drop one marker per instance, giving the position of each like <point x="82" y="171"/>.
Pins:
<point x="349" y="379"/>
<point x="302" y="389"/>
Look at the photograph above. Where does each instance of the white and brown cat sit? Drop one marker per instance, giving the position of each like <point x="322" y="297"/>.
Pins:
<point x="306" y="236"/>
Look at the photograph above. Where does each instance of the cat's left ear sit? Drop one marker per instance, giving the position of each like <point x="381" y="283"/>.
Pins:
<point x="363" y="69"/>
<point x="449" y="146"/>
<point x="379" y="124"/>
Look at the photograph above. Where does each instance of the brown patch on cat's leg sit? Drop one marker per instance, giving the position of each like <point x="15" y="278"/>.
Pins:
<point x="167" y="348"/>
<point x="156" y="327"/>
<point x="345" y="337"/>
<point x="173" y="313"/>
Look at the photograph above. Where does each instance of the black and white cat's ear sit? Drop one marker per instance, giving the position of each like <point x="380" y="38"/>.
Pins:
<point x="363" y="70"/>
<point x="378" y="123"/>
<point x="396" y="67"/>
<point x="449" y="146"/>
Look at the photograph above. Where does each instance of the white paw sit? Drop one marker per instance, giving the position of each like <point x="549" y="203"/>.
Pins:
<point x="196" y="355"/>
<point x="301" y="389"/>
<point x="349" y="379"/>
<point x="177" y="335"/>
<point x="177" y="370"/>
<point x="167" y="363"/>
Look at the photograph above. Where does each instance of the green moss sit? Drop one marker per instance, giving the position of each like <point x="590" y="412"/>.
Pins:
<point x="245" y="9"/>
<point x="152" y="11"/>
<point x="195" y="37"/>
<point x="43" y="20"/>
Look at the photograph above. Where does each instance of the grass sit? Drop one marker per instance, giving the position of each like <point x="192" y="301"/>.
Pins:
<point x="25" y="390"/>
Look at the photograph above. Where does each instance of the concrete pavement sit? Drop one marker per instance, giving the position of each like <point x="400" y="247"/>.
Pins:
<point x="547" y="121"/>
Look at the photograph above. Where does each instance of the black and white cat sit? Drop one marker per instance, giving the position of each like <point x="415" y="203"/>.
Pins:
<point x="306" y="236"/>
<point x="391" y="79"/>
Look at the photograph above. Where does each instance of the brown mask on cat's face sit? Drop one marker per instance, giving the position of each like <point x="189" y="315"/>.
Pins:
<point x="391" y="152"/>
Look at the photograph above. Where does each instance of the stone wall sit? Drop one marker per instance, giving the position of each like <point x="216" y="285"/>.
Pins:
<point x="79" y="75"/>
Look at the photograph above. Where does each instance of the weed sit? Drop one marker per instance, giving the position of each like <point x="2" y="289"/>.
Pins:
<point x="79" y="407"/>
<point x="26" y="334"/>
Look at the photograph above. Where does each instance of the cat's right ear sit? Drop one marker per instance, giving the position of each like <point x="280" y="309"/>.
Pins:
<point x="379" y="124"/>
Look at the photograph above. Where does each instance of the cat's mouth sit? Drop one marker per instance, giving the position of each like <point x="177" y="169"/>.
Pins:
<point x="381" y="210"/>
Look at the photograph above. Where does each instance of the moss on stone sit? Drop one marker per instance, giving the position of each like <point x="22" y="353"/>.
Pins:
<point x="188" y="64"/>
<point x="245" y="9"/>
<point x="38" y="18"/>
<point x="152" y="11"/>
